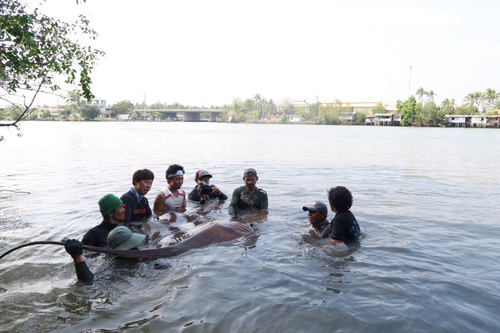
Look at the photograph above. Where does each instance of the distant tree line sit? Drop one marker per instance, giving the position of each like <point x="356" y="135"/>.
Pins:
<point x="418" y="110"/>
<point x="75" y="108"/>
<point x="251" y="109"/>
<point x="163" y="106"/>
<point x="428" y="113"/>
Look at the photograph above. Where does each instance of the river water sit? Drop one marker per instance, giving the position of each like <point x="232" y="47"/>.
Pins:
<point x="426" y="200"/>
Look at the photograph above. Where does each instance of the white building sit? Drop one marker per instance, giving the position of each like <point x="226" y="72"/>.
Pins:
<point x="296" y="118"/>
<point x="101" y="104"/>
<point x="123" y="116"/>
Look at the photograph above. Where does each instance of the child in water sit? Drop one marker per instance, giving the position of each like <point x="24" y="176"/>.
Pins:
<point x="344" y="227"/>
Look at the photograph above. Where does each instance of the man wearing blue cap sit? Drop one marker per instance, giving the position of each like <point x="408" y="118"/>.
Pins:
<point x="317" y="213"/>
<point x="113" y="213"/>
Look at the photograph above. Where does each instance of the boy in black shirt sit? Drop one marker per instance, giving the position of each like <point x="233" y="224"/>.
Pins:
<point x="135" y="202"/>
<point x="344" y="228"/>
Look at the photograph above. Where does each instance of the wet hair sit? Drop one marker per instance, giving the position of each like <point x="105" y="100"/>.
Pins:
<point x="143" y="174"/>
<point x="340" y="198"/>
<point x="172" y="169"/>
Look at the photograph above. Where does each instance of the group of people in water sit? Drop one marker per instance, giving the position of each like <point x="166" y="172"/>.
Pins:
<point x="133" y="208"/>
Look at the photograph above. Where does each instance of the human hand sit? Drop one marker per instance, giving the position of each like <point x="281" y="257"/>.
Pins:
<point x="334" y="241"/>
<point x="74" y="247"/>
<point x="216" y="191"/>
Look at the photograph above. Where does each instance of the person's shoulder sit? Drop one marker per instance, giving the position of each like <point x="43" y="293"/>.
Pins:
<point x="94" y="228"/>
<point x="90" y="237"/>
<point x="345" y="217"/>
<point x="262" y="191"/>
<point x="322" y="227"/>
<point x="346" y="214"/>
<point x="193" y="195"/>
<point x="126" y="196"/>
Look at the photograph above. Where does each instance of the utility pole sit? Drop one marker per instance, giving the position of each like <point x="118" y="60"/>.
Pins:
<point x="409" y="84"/>
<point x="390" y="91"/>
<point x="144" y="104"/>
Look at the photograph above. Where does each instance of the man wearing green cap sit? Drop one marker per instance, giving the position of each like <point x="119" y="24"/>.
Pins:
<point x="113" y="213"/>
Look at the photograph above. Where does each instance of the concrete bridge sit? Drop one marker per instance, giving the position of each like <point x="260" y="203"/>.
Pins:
<point x="188" y="114"/>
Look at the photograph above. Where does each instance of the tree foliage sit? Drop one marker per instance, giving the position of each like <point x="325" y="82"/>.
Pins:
<point x="490" y="96"/>
<point x="421" y="93"/>
<point x="408" y="111"/>
<point x="360" y="118"/>
<point x="430" y="95"/>
<point x="414" y="114"/>
<point x="258" y="108"/>
<point x="289" y="108"/>
<point x="46" y="114"/>
<point x="36" y="51"/>
<point x="314" y="109"/>
<point x="283" y="118"/>
<point x="431" y="115"/>
<point x="90" y="112"/>
<point x="331" y="113"/>
<point x="473" y="100"/>
<point x="78" y="106"/>
<point x="448" y="106"/>
<point x="378" y="109"/>
<point x="123" y="107"/>
<point x="11" y="113"/>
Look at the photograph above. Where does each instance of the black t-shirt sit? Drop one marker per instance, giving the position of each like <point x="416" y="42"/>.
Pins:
<point x="195" y="196"/>
<point x="344" y="227"/>
<point x="135" y="210"/>
<point x="98" y="235"/>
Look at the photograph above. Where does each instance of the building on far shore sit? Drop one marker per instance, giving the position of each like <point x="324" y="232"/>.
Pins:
<point x="124" y="116"/>
<point x="477" y="120"/>
<point x="356" y="106"/>
<point x="101" y="104"/>
<point x="295" y="118"/>
<point x="274" y="116"/>
<point x="347" y="117"/>
<point x="301" y="106"/>
<point x="383" y="119"/>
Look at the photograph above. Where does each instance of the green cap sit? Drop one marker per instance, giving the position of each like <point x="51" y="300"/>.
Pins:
<point x="109" y="203"/>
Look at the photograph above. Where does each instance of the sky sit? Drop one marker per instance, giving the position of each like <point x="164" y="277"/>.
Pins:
<point x="207" y="53"/>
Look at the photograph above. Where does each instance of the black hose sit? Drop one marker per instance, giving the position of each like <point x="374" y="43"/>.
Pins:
<point x="29" y="244"/>
<point x="144" y="254"/>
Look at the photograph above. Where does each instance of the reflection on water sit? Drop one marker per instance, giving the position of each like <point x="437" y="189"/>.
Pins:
<point x="425" y="200"/>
